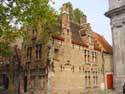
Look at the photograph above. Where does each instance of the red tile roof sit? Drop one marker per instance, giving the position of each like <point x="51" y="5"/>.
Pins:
<point x="58" y="38"/>
<point x="77" y="31"/>
<point x="105" y="46"/>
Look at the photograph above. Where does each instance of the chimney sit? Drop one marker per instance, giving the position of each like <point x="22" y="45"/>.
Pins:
<point x="65" y="16"/>
<point x="65" y="8"/>
<point x="83" y="19"/>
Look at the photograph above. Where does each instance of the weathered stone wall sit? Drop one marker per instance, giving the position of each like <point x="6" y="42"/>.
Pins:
<point x="119" y="50"/>
<point x="115" y="4"/>
<point x="69" y="75"/>
<point x="75" y="68"/>
<point x="117" y="15"/>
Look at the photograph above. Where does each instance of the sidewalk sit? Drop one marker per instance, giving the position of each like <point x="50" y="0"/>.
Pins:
<point x="3" y="91"/>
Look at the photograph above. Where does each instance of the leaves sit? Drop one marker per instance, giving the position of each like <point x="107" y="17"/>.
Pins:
<point x="77" y="14"/>
<point x="5" y="49"/>
<point x="19" y="13"/>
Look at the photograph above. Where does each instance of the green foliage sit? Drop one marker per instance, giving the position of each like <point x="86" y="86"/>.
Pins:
<point x="35" y="12"/>
<point x="5" y="49"/>
<point x="19" y="13"/>
<point x="8" y="28"/>
<point x="70" y="10"/>
<point x="77" y="14"/>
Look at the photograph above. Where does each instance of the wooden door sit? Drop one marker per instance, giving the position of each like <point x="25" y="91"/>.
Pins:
<point x="109" y="81"/>
<point x="25" y="84"/>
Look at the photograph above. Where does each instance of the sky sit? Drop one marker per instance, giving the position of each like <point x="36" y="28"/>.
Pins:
<point x="94" y="10"/>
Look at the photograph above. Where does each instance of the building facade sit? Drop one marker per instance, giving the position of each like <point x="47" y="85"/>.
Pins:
<point x="116" y="14"/>
<point x="33" y="78"/>
<point x="9" y="68"/>
<point x="81" y="58"/>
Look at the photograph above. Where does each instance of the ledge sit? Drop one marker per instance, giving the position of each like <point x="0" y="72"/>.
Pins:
<point x="115" y="11"/>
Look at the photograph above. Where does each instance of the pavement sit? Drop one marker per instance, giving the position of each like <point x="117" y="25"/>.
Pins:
<point x="2" y="91"/>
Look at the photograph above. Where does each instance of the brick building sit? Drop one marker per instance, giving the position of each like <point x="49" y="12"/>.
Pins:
<point x="79" y="59"/>
<point x="82" y="59"/>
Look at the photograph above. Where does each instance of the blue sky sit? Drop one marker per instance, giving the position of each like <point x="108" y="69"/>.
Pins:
<point x="94" y="9"/>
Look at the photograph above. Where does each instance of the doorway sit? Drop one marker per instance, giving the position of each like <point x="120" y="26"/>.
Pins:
<point x="109" y="81"/>
<point x="25" y="84"/>
<point x="5" y="81"/>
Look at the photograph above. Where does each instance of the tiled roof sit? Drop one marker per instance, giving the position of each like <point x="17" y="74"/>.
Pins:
<point x="105" y="46"/>
<point x="77" y="31"/>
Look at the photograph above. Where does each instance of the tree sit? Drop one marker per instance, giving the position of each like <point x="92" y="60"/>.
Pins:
<point x="77" y="14"/>
<point x="21" y="13"/>
<point x="8" y="28"/>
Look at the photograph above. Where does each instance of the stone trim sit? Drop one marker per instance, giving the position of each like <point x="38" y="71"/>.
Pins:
<point x="115" y="11"/>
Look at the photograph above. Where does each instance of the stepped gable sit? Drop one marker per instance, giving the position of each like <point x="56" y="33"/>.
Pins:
<point x="77" y="32"/>
<point x="74" y="28"/>
<point x="76" y="36"/>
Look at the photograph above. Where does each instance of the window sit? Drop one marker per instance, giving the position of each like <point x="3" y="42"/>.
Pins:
<point x="96" y="81"/>
<point x="61" y="67"/>
<point x="123" y="22"/>
<point x="56" y="51"/>
<point x="85" y="54"/>
<point x="67" y="31"/>
<point x="88" y="57"/>
<point x="119" y="26"/>
<point x="94" y="55"/>
<point x="38" y="51"/>
<point x="34" y="33"/>
<point x="89" y="81"/>
<point x="29" y="53"/>
<point x="86" y="84"/>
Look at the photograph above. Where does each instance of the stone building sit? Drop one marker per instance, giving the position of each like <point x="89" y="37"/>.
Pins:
<point x="33" y="78"/>
<point x="9" y="67"/>
<point x="81" y="59"/>
<point x="116" y="14"/>
<point x="78" y="60"/>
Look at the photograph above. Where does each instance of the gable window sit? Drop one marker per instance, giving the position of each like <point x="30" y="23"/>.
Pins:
<point x="38" y="51"/>
<point x="29" y="53"/>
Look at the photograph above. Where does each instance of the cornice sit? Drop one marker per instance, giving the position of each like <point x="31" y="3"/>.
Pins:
<point x="115" y="11"/>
